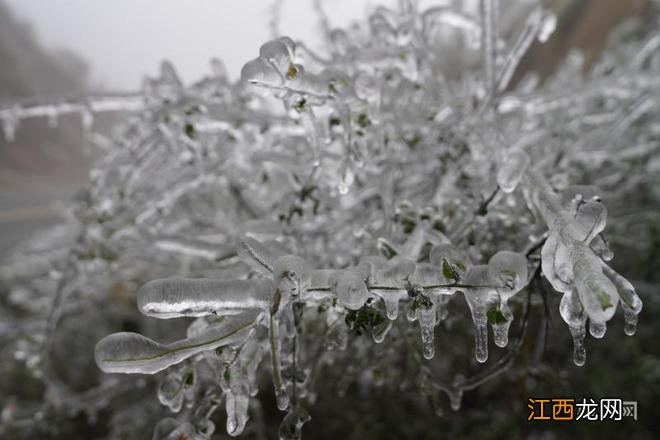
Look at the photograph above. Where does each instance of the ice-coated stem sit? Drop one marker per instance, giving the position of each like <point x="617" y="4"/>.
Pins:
<point x="276" y="363"/>
<point x="134" y="353"/>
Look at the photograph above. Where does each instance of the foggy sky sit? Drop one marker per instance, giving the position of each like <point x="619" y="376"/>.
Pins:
<point x="122" y="40"/>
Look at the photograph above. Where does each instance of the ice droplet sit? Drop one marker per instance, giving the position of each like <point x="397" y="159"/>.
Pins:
<point x="455" y="395"/>
<point x="173" y="298"/>
<point x="597" y="329"/>
<point x="501" y="329"/>
<point x="351" y="290"/>
<point x="380" y="331"/>
<point x="511" y="170"/>
<point x="510" y="269"/>
<point x="170" y="391"/>
<point x="630" y="317"/>
<point x="282" y="398"/>
<point x="291" y="427"/>
<point x="501" y="333"/>
<point x="134" y="353"/>
<point x="579" y="351"/>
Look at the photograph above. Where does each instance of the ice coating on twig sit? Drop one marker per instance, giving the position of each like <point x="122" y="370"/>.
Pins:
<point x="134" y="353"/>
<point x="173" y="298"/>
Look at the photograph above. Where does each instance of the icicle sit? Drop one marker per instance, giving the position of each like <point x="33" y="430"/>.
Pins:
<point x="481" y="340"/>
<point x="426" y="318"/>
<point x="380" y="331"/>
<point x="411" y="315"/>
<point x="630" y="317"/>
<point x="480" y="300"/>
<point x="281" y="395"/>
<point x="500" y="325"/>
<point x="455" y="398"/>
<point x="573" y="314"/>
<point x="597" y="329"/>
<point x="441" y="307"/>
<point x="391" y="305"/>
<point x="579" y="351"/>
<point x="236" y="405"/>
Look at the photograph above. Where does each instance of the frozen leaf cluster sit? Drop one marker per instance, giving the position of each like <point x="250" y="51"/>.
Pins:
<point x="332" y="212"/>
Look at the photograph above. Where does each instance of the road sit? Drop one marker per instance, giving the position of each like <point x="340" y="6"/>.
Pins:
<point x="24" y="213"/>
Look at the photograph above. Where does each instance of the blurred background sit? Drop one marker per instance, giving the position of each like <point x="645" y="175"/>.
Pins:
<point x="75" y="47"/>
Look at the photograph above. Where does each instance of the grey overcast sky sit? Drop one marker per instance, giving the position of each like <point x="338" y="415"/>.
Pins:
<point x="122" y="40"/>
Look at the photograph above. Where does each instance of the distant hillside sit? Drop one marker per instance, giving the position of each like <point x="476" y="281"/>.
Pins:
<point x="41" y="157"/>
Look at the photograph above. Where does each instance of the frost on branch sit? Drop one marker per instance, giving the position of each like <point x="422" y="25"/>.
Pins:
<point x="332" y="216"/>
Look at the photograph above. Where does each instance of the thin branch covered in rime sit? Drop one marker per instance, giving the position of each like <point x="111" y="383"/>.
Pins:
<point x="325" y="202"/>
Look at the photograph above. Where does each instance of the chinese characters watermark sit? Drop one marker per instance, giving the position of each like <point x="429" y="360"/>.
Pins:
<point x="587" y="409"/>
